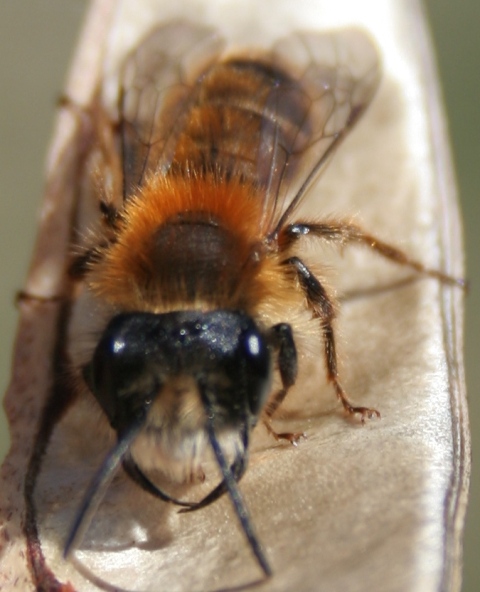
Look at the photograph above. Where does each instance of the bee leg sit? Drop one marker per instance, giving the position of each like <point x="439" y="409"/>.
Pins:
<point x="282" y="339"/>
<point x="292" y="437"/>
<point x="81" y="263"/>
<point x="111" y="215"/>
<point x="324" y="310"/>
<point x="344" y="233"/>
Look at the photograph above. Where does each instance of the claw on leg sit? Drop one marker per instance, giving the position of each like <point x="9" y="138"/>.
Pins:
<point x="364" y="412"/>
<point x="292" y="437"/>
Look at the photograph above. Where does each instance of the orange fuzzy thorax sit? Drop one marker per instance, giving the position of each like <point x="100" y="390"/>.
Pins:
<point x="186" y="242"/>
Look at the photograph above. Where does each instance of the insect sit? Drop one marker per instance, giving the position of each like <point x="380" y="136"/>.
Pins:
<point x="195" y="264"/>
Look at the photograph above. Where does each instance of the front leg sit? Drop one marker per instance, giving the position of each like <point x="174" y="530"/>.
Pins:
<point x="323" y="309"/>
<point x="281" y="338"/>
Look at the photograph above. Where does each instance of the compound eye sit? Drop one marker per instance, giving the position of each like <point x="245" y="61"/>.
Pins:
<point x="108" y="373"/>
<point x="120" y="374"/>
<point x="257" y="371"/>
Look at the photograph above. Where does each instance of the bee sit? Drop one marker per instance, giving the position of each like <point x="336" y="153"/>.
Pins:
<point x="194" y="276"/>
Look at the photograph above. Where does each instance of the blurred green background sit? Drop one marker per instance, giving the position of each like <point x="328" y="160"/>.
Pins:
<point x="36" y="41"/>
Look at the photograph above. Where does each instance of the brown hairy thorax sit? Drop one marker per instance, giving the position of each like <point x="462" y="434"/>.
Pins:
<point x="184" y="242"/>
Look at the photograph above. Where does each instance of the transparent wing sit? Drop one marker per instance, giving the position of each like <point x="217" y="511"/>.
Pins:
<point x="156" y="90"/>
<point x="273" y="119"/>
<point x="336" y="77"/>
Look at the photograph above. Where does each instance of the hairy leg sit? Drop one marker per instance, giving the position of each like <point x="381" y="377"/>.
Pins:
<point x="323" y="309"/>
<point x="282" y="339"/>
<point x="344" y="233"/>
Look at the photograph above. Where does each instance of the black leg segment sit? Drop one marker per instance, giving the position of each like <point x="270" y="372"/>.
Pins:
<point x="323" y="309"/>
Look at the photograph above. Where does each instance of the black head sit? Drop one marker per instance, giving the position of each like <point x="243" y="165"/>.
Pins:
<point x="224" y="352"/>
<point x="225" y="355"/>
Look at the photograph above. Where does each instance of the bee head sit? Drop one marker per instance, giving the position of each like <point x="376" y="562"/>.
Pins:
<point x="145" y="361"/>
